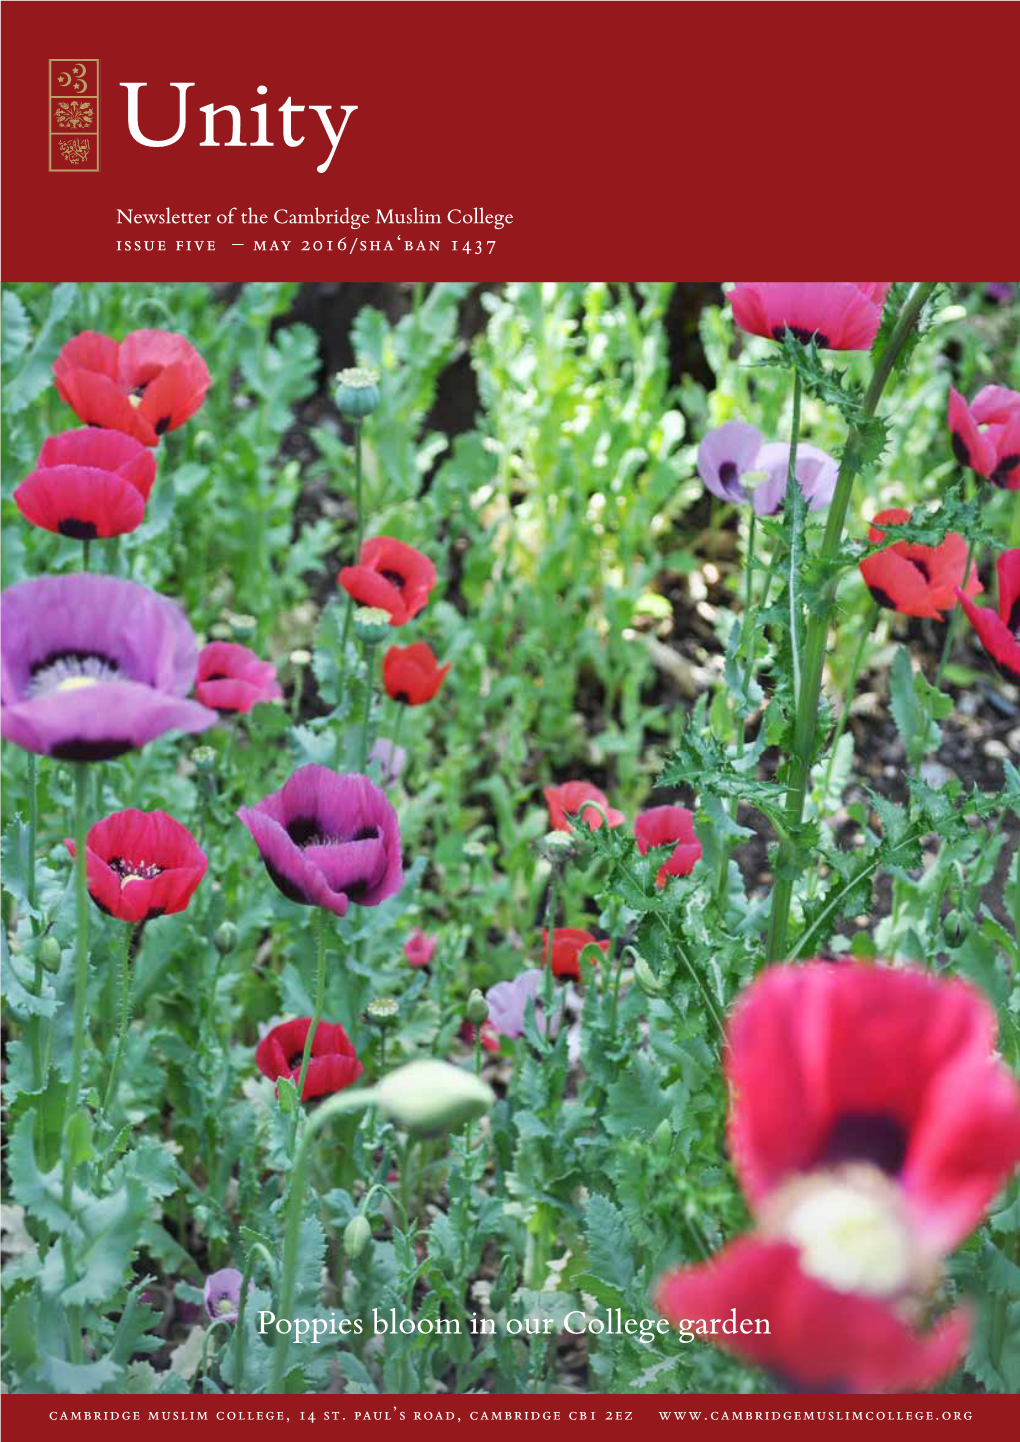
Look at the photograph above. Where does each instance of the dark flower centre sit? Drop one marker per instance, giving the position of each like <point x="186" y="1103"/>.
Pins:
<point x="800" y="333"/>
<point x="872" y="1137"/>
<point x="1004" y="469"/>
<point x="78" y="530"/>
<point x="394" y="578"/>
<point x="305" y="831"/>
<point x="922" y="566"/>
<point x="143" y="870"/>
<point x="71" y="671"/>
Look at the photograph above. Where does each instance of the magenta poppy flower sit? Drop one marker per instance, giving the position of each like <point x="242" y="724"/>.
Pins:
<point x="999" y="632"/>
<point x="913" y="579"/>
<point x="489" y="1037"/>
<point x="141" y="864"/>
<point x="839" y="314"/>
<point x="152" y="382"/>
<point x="232" y="678"/>
<point x="88" y="484"/>
<point x="222" y="1294"/>
<point x="986" y="434"/>
<point x="669" y="826"/>
<point x="332" y="1063"/>
<point x="871" y="1124"/>
<point x="419" y="948"/>
<point x="734" y="453"/>
<point x="566" y="801"/>
<point x="94" y="666"/>
<point x="327" y="840"/>
<point x="392" y="576"/>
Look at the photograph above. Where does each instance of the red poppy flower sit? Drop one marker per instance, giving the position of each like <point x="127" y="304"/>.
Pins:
<point x="986" y="434"/>
<point x="152" y="382"/>
<point x="1000" y="633"/>
<point x="567" y="800"/>
<point x="490" y="1036"/>
<point x="565" y="952"/>
<point x="839" y="314"/>
<point x="87" y="484"/>
<point x="419" y="948"/>
<point x="332" y="1065"/>
<point x="141" y="864"/>
<point x="411" y="674"/>
<point x="818" y="1339"/>
<point x="871" y="1124"/>
<point x="392" y="576"/>
<point x="664" y="826"/>
<point x="913" y="579"/>
<point x="232" y="678"/>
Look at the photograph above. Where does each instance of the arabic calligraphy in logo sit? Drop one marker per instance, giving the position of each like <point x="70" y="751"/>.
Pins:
<point x="75" y="149"/>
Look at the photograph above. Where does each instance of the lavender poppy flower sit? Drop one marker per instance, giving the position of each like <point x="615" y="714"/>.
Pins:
<point x="390" y="759"/>
<point x="508" y="1003"/>
<point x="327" y="840"/>
<point x="736" y="450"/>
<point x="223" y="1294"/>
<point x="94" y="667"/>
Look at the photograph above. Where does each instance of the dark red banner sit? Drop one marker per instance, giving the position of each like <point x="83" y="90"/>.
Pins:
<point x="469" y="141"/>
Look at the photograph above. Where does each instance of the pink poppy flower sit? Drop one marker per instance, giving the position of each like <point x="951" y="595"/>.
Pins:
<point x="420" y="948"/>
<point x="999" y="632"/>
<point x="566" y="800"/>
<point x="986" y="434"/>
<point x="669" y="826"/>
<point x="839" y="314"/>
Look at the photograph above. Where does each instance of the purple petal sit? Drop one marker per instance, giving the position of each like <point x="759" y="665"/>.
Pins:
<point x="286" y="864"/>
<point x="96" y="723"/>
<point x="725" y="455"/>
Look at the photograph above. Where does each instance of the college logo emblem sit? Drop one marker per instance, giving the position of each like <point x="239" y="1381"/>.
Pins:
<point x="74" y="115"/>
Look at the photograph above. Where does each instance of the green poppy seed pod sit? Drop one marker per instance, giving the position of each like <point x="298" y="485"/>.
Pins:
<point x="357" y="392"/>
<point x="225" y="937"/>
<point x="49" y="953"/>
<point x="243" y="627"/>
<point x="371" y="624"/>
<point x="204" y="758"/>
<point x="477" y="1009"/>
<point x="428" y="1097"/>
<point x="383" y="1011"/>
<point x="646" y="978"/>
<point x="954" y="927"/>
<point x="357" y="1235"/>
<point x="556" y="847"/>
<point x="300" y="657"/>
<point x="220" y="631"/>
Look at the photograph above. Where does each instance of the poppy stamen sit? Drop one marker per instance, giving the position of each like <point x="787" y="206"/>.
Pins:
<point x="70" y="670"/>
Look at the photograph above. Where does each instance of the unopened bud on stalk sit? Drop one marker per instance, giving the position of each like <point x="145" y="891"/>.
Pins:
<point x="357" y="1235"/>
<point x="357" y="392"/>
<point x="427" y="1097"/>
<point x="204" y="758"/>
<point x="243" y="627"/>
<point x="556" y="847"/>
<point x="300" y="658"/>
<point x="383" y="1011"/>
<point x="225" y="937"/>
<point x="954" y="927"/>
<point x="49" y="953"/>
<point x="646" y="978"/>
<point x="477" y="1009"/>
<point x="371" y="624"/>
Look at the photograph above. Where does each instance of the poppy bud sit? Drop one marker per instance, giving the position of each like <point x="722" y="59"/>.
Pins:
<point x="225" y="937"/>
<point x="300" y="658"/>
<point x="427" y="1097"/>
<point x="49" y="953"/>
<point x="477" y="1009"/>
<point x="357" y="1235"/>
<point x="646" y="978"/>
<point x="555" y="847"/>
<point x="204" y="758"/>
<point x="662" y="1138"/>
<point x="383" y="1011"/>
<point x="357" y="392"/>
<point x="371" y="624"/>
<point x="953" y="927"/>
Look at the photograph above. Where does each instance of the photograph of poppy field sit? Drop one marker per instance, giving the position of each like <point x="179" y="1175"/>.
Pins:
<point x="510" y="838"/>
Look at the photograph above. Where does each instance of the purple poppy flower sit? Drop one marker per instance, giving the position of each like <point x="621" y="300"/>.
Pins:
<point x="94" y="667"/>
<point x="508" y="1003"/>
<point x="223" y="1294"/>
<point x="327" y="839"/>
<point x="736" y="450"/>
<point x="390" y="759"/>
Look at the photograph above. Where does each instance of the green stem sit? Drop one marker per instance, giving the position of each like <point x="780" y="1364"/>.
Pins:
<point x="359" y="525"/>
<point x="125" y="1017"/>
<point x="33" y="826"/>
<point x="347" y="1101"/>
<point x="321" y="922"/>
<point x="851" y="686"/>
<point x="366" y="720"/>
<point x="85" y="555"/>
<point x="81" y="978"/>
<point x="816" y="636"/>
<point x="748" y="647"/>
<point x="257" y="1250"/>
<point x="952" y="629"/>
